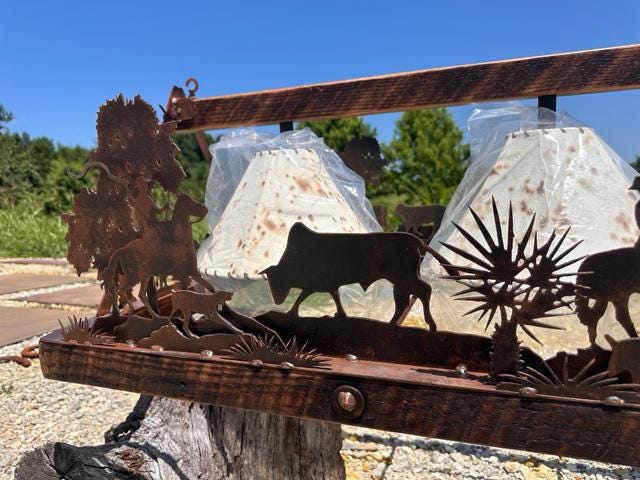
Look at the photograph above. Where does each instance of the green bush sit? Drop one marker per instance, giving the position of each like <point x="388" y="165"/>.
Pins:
<point x="29" y="232"/>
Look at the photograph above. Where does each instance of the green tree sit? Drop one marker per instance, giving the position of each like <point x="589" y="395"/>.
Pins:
<point x="24" y="166"/>
<point x="338" y="132"/>
<point x="5" y="117"/>
<point x="62" y="182"/>
<point x="194" y="164"/>
<point x="636" y="163"/>
<point x="427" y="159"/>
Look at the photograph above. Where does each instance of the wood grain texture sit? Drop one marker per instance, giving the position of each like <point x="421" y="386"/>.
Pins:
<point x="177" y="440"/>
<point x="449" y="411"/>
<point x="590" y="71"/>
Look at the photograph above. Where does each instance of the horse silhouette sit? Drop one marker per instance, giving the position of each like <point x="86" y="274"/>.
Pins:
<point x="165" y="250"/>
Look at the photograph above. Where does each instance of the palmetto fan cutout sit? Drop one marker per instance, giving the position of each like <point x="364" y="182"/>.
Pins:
<point x="597" y="386"/>
<point x="522" y="280"/>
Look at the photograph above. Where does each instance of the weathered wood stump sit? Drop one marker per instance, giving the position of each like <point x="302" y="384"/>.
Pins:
<point x="171" y="439"/>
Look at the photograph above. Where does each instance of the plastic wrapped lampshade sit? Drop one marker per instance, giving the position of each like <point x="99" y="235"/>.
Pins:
<point x="290" y="178"/>
<point x="561" y="171"/>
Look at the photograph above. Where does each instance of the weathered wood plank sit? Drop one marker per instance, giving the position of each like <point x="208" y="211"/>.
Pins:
<point x="572" y="73"/>
<point x="449" y="411"/>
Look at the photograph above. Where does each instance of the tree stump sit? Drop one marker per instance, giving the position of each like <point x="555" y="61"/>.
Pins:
<point x="171" y="439"/>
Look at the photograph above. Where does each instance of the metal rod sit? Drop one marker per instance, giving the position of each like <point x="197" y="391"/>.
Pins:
<point x="548" y="101"/>
<point x="286" y="126"/>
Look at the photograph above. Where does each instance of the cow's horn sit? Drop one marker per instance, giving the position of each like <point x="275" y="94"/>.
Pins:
<point x="612" y="341"/>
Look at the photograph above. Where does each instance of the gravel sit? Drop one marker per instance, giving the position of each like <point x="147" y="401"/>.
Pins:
<point x="34" y="410"/>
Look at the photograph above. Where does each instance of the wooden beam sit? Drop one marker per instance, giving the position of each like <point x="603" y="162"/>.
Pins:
<point x="589" y="71"/>
<point x="397" y="397"/>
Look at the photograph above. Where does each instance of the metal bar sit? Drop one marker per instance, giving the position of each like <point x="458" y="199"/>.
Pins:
<point x="549" y="102"/>
<point x="590" y="71"/>
<point x="286" y="126"/>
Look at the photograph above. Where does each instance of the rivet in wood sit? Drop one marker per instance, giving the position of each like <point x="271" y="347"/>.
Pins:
<point x="614" y="401"/>
<point x="256" y="363"/>
<point x="206" y="353"/>
<point x="350" y="357"/>
<point x="528" y="392"/>
<point x="462" y="370"/>
<point x="131" y="343"/>
<point x="157" y="348"/>
<point x="348" y="401"/>
<point x="286" y="365"/>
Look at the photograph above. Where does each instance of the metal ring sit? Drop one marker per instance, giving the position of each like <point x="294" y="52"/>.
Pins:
<point x="196" y="85"/>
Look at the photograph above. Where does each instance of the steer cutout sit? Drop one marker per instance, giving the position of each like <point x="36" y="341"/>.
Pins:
<point x="323" y="262"/>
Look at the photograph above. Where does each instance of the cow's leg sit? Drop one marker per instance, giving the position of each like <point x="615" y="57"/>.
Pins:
<point x="422" y="290"/>
<point x="143" y="296"/>
<point x="186" y="321"/>
<point x="622" y="315"/>
<point x="339" y="308"/>
<point x="589" y="316"/>
<point x="304" y="294"/>
<point x="402" y="301"/>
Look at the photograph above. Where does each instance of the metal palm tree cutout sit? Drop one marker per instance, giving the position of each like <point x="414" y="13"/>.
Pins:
<point x="522" y="280"/>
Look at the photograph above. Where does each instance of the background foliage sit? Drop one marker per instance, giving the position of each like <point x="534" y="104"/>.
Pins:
<point x="39" y="180"/>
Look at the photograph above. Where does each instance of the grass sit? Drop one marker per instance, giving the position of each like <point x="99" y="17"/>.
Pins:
<point x="26" y="232"/>
<point x="29" y="232"/>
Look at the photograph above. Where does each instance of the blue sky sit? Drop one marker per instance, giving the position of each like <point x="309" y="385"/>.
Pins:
<point x="61" y="60"/>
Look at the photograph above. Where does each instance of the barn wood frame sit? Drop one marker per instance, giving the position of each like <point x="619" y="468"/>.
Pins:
<point x="441" y="406"/>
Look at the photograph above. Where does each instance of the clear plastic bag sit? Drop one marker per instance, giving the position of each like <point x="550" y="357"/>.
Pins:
<point x="258" y="187"/>
<point x="543" y="163"/>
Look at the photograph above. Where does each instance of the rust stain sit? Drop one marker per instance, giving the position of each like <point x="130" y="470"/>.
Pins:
<point x="303" y="184"/>
<point x="270" y="224"/>
<point x="622" y="219"/>
<point x="586" y="184"/>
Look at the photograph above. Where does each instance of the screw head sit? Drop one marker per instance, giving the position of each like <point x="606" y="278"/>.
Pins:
<point x="206" y="353"/>
<point x="286" y="366"/>
<point x="350" y="357"/>
<point x="462" y="370"/>
<point x="131" y="343"/>
<point x="528" y="392"/>
<point x="256" y="363"/>
<point x="614" y="401"/>
<point x="348" y="402"/>
<point x="157" y="348"/>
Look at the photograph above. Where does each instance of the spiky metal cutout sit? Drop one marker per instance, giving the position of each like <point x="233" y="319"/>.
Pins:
<point x="523" y="281"/>
<point x="599" y="386"/>
<point x="268" y="349"/>
<point x="79" y="330"/>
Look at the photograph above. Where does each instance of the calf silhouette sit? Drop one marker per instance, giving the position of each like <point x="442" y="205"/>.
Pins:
<point x="323" y="262"/>
<point x="604" y="277"/>
<point x="188" y="302"/>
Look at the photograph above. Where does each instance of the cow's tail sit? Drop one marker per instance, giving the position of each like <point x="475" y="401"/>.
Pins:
<point x="424" y="249"/>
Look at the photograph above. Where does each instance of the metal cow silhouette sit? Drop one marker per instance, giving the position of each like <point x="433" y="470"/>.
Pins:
<point x="323" y="262"/>
<point x="611" y="276"/>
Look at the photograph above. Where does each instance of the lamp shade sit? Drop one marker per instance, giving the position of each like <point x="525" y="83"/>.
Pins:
<point x="571" y="180"/>
<point x="279" y="188"/>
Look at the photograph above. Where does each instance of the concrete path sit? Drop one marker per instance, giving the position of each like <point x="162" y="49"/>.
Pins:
<point x="35" y="294"/>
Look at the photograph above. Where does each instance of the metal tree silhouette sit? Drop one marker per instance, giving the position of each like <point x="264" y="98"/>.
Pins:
<point x="523" y="281"/>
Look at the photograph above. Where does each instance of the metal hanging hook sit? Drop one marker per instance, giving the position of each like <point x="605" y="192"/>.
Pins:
<point x="196" y="85"/>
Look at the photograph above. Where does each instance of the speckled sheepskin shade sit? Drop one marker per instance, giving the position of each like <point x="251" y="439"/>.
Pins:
<point x="279" y="188"/>
<point x="568" y="177"/>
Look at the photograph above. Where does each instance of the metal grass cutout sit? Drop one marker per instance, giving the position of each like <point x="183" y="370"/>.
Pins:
<point x="270" y="350"/>
<point x="79" y="330"/>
